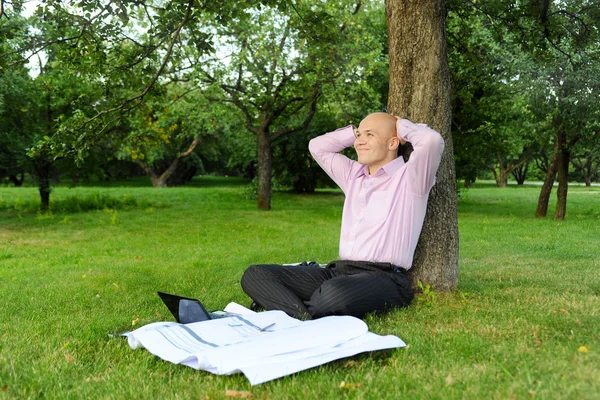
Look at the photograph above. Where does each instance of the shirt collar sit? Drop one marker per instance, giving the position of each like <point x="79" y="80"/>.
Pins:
<point x="393" y="166"/>
<point x="390" y="168"/>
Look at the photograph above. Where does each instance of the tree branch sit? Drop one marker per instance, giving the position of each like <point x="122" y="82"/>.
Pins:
<point x="191" y="148"/>
<point x="139" y="97"/>
<point x="309" y="117"/>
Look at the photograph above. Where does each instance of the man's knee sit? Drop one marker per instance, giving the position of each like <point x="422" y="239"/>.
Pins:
<point x="329" y="299"/>
<point x="250" y="276"/>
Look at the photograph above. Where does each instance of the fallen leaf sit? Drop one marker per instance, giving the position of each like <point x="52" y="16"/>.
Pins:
<point x="83" y="275"/>
<point x="243" y="394"/>
<point x="4" y="388"/>
<point x="350" y="364"/>
<point x="449" y="380"/>
<point x="347" y="385"/>
<point x="135" y="321"/>
<point x="138" y="257"/>
<point x="583" y="349"/>
<point x="69" y="358"/>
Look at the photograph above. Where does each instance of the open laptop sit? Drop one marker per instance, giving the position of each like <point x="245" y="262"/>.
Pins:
<point x="187" y="310"/>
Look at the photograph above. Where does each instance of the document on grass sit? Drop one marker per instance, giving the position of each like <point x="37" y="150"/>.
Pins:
<point x="263" y="346"/>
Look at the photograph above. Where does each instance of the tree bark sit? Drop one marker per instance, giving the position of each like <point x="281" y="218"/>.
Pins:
<point x="161" y="181"/>
<point x="420" y="91"/>
<point x="265" y="167"/>
<point x="520" y="173"/>
<point x="502" y="179"/>
<point x="562" y="168"/>
<point x="43" y="175"/>
<point x="542" y="207"/>
<point x="588" y="171"/>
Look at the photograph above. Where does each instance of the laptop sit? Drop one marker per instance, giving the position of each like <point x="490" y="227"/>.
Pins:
<point x="187" y="310"/>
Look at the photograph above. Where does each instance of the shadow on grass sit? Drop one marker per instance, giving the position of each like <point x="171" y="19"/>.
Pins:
<point x="144" y="181"/>
<point x="217" y="181"/>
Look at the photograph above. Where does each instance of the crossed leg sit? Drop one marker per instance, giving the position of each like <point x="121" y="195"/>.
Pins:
<point x="313" y="292"/>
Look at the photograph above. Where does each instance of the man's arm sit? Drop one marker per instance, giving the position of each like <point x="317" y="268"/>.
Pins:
<point x="325" y="150"/>
<point x="424" y="161"/>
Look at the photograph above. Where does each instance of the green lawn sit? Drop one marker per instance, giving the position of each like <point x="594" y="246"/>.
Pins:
<point x="524" y="322"/>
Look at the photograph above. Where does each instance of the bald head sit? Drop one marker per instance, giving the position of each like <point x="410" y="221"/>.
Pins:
<point x="376" y="141"/>
<point x="382" y="123"/>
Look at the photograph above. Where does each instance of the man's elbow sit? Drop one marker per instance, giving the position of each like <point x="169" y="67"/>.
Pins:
<point x="313" y="146"/>
<point x="441" y="144"/>
<point x="435" y="142"/>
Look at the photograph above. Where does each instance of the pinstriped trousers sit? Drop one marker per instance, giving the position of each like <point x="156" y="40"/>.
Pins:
<point x="342" y="288"/>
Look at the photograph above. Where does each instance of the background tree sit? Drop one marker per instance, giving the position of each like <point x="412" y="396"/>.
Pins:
<point x="112" y="54"/>
<point x="586" y="159"/>
<point x="17" y="101"/>
<point x="278" y="61"/>
<point x="18" y="127"/>
<point x="561" y="39"/>
<point x="165" y="131"/>
<point x="420" y="91"/>
<point x="493" y="126"/>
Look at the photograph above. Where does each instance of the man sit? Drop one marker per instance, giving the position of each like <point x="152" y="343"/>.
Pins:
<point x="383" y="215"/>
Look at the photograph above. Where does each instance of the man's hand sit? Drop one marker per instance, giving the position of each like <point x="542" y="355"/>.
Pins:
<point x="400" y="138"/>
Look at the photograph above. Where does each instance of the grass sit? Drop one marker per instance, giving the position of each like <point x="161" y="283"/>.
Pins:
<point x="526" y="310"/>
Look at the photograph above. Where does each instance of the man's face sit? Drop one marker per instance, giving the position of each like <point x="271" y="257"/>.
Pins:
<point x="371" y="143"/>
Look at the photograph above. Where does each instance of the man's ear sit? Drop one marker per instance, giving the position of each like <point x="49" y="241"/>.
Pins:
<point x="394" y="143"/>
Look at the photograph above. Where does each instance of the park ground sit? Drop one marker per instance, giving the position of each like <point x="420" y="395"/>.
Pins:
<point x="523" y="323"/>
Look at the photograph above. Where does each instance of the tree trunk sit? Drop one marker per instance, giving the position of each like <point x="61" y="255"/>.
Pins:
<point x="420" y="91"/>
<point x="588" y="171"/>
<point x="17" y="181"/>
<point x="43" y="175"/>
<point x="502" y="178"/>
<point x="562" y="167"/>
<point x="520" y="173"/>
<point x="542" y="207"/>
<point x="158" y="181"/>
<point x="264" y="171"/>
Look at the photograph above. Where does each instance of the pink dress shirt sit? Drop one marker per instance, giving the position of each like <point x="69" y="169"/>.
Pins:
<point x="383" y="214"/>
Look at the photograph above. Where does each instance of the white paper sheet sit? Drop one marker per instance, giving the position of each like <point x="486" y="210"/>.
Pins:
<point x="239" y="343"/>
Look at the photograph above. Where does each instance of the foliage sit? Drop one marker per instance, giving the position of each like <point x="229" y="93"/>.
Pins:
<point x="427" y="294"/>
<point x="493" y="125"/>
<point x="278" y="62"/>
<point x="18" y="101"/>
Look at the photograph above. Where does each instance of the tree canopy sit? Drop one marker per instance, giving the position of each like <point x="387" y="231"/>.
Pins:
<point x="180" y="88"/>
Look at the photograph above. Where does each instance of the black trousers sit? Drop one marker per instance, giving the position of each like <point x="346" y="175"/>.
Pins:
<point x="342" y="288"/>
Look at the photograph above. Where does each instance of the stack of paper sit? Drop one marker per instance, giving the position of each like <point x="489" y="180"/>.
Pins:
<point x="263" y="346"/>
